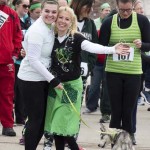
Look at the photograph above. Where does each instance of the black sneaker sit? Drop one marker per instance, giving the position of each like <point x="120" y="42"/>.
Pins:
<point x="148" y="109"/>
<point x="19" y="123"/>
<point x="8" y="132"/>
<point x="133" y="139"/>
<point x="105" y="119"/>
<point x="48" y="141"/>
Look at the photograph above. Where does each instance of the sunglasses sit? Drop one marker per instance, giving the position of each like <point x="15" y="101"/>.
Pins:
<point x="25" y="6"/>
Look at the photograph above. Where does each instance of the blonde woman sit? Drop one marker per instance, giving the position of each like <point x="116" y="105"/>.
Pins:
<point x="61" y="120"/>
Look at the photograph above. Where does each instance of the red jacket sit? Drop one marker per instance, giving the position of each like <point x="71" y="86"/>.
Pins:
<point x="10" y="36"/>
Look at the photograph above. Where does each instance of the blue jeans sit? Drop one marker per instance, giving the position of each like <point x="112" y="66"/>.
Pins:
<point x="105" y="107"/>
<point x="94" y="90"/>
<point x="147" y="77"/>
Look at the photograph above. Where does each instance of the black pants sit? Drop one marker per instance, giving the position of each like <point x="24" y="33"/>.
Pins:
<point x="146" y="73"/>
<point x="20" y="112"/>
<point x="34" y="95"/>
<point x="123" y="92"/>
<point x="105" y="107"/>
<point x="61" y="140"/>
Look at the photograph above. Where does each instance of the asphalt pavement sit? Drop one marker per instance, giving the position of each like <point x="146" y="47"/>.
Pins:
<point x="89" y="137"/>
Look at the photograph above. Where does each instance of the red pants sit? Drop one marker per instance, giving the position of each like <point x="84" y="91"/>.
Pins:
<point x="7" y="78"/>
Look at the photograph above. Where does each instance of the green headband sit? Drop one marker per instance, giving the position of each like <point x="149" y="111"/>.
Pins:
<point x="34" y="6"/>
<point x="104" y="5"/>
<point x="68" y="1"/>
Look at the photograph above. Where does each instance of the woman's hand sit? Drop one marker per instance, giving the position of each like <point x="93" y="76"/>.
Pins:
<point x="23" y="53"/>
<point x="138" y="43"/>
<point x="122" y="48"/>
<point x="60" y="86"/>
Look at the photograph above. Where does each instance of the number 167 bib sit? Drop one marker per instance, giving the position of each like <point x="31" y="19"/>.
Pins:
<point x="129" y="57"/>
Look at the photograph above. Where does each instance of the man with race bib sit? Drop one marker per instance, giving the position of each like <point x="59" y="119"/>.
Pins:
<point x="123" y="74"/>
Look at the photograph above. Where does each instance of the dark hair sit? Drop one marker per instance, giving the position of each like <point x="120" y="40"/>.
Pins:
<point x="124" y="1"/>
<point x="31" y="1"/>
<point x="76" y="5"/>
<point x="17" y="2"/>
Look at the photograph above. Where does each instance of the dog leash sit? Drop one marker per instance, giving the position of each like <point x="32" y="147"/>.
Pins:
<point x="111" y="131"/>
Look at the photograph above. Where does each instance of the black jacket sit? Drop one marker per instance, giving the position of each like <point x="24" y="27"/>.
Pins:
<point x="90" y="33"/>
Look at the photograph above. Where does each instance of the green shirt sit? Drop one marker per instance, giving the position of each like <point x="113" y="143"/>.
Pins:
<point x="98" y="23"/>
<point x="127" y="35"/>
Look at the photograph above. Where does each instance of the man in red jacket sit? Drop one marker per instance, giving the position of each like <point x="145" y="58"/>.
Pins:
<point x="10" y="45"/>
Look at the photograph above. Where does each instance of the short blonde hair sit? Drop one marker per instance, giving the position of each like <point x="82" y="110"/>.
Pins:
<point x="73" y="28"/>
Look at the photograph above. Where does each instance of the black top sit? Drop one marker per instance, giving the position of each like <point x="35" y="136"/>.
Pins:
<point x="66" y="58"/>
<point x="90" y="33"/>
<point x="143" y="23"/>
<point x="26" y="24"/>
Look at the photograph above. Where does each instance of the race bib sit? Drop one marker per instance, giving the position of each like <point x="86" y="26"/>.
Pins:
<point x="84" y="69"/>
<point x="129" y="57"/>
<point x="3" y="18"/>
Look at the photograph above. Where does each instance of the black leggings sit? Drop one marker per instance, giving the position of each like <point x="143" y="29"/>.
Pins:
<point x="34" y="95"/>
<point x="61" y="140"/>
<point x="123" y="92"/>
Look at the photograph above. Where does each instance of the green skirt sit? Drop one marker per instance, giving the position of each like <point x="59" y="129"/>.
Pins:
<point x="61" y="119"/>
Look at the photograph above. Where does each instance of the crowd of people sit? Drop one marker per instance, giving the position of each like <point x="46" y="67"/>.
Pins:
<point x="48" y="50"/>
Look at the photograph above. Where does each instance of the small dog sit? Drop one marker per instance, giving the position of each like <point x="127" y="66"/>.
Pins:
<point x="119" y="139"/>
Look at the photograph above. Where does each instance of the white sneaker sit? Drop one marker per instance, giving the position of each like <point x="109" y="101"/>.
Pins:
<point x="141" y="101"/>
<point x="47" y="148"/>
<point x="88" y="111"/>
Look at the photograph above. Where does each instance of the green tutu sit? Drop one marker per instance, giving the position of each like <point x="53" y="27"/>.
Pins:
<point x="61" y="119"/>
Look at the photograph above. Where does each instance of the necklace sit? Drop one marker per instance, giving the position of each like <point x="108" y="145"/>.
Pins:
<point x="123" y="41"/>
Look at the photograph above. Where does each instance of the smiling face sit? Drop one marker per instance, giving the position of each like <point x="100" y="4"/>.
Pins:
<point x="138" y="8"/>
<point x="63" y="22"/>
<point x="125" y="9"/>
<point x="105" y="12"/>
<point x="49" y="13"/>
<point x="22" y="8"/>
